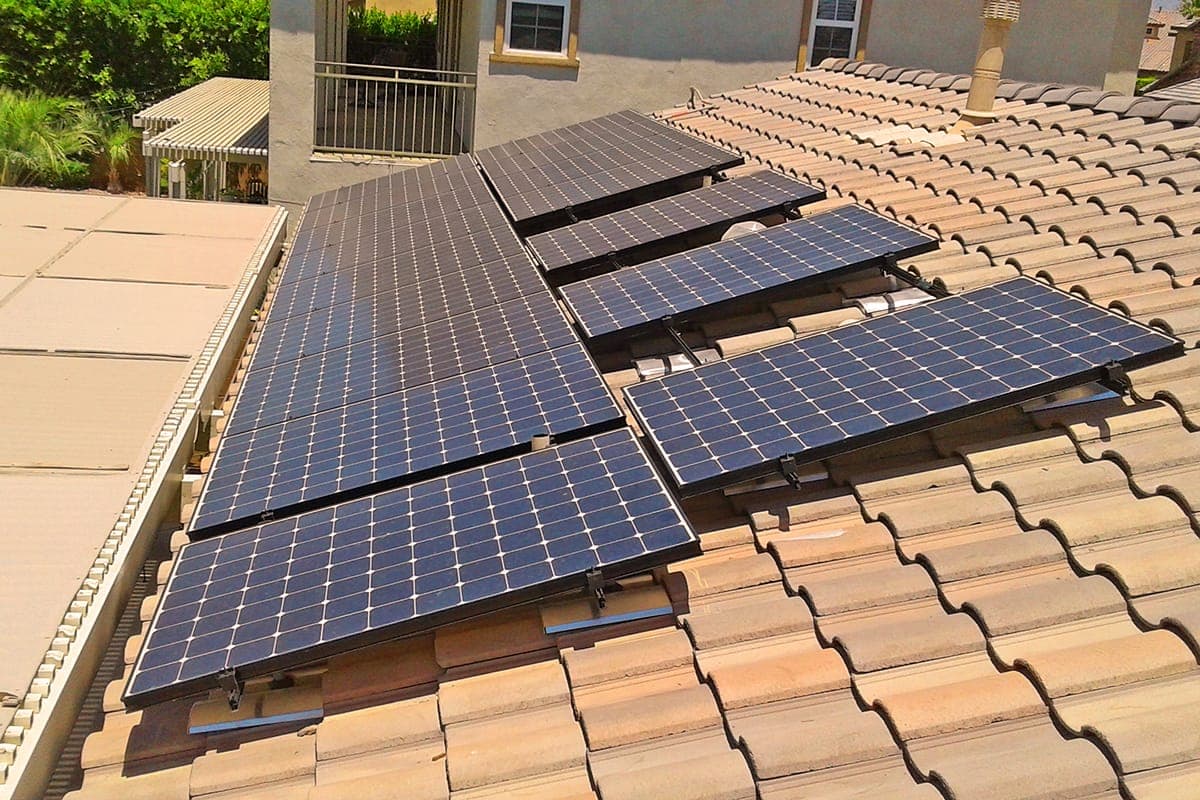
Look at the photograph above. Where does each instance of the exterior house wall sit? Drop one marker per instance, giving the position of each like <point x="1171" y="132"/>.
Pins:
<point x="641" y="54"/>
<point x="1089" y="42"/>
<point x="298" y="32"/>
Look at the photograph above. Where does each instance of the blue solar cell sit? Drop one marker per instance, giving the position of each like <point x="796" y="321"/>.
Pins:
<point x="690" y="212"/>
<point x="353" y="310"/>
<point x="404" y="560"/>
<point x="399" y="436"/>
<point x="409" y="358"/>
<point x="882" y="378"/>
<point x="817" y="247"/>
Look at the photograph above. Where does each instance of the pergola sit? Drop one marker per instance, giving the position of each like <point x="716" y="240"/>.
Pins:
<point x="216" y="123"/>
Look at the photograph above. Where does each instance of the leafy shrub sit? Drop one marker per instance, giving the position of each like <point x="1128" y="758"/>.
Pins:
<point x="124" y="54"/>
<point x="411" y="36"/>
<point x="41" y="138"/>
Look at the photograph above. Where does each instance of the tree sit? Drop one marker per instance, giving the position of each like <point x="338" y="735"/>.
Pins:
<point x="40" y="135"/>
<point x="1190" y="8"/>
<point x="116" y="146"/>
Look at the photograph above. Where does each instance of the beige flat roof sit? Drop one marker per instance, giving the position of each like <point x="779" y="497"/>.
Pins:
<point x="106" y="306"/>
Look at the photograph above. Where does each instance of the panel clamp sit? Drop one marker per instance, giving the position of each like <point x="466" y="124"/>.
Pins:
<point x="570" y="212"/>
<point x="233" y="686"/>
<point x="790" y="470"/>
<point x="1115" y="378"/>
<point x="668" y="323"/>
<point x="595" y="590"/>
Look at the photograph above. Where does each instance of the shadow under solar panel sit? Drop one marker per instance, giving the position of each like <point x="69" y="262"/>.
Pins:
<point x="398" y="562"/>
<point x="691" y="212"/>
<point x="888" y="376"/>
<point x="404" y="436"/>
<point x="819" y="247"/>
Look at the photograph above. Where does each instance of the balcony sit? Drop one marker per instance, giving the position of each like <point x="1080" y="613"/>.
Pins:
<point x="397" y="112"/>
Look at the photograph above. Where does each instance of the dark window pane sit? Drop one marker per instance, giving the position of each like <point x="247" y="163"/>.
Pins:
<point x="830" y="42"/>
<point x="535" y="26"/>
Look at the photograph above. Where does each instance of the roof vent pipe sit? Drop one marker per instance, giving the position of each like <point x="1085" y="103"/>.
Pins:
<point x="998" y="17"/>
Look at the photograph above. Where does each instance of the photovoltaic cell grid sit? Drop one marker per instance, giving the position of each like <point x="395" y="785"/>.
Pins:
<point x="564" y="144"/>
<point x="396" y="562"/>
<point x="593" y="161"/>
<point x="821" y="246"/>
<point x="413" y="357"/>
<point x="360" y="315"/>
<point x="724" y="202"/>
<point x="883" y="378"/>
<point x="400" y="435"/>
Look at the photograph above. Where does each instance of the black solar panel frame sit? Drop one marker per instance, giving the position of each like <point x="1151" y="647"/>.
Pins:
<point x="1173" y="347"/>
<point x="418" y="625"/>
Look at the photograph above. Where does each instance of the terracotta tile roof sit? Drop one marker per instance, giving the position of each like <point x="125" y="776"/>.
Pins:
<point x="1006" y="607"/>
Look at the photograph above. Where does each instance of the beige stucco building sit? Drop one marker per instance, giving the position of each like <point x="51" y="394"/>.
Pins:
<point x="508" y="68"/>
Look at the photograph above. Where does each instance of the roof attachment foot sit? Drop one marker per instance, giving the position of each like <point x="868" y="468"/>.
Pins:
<point x="233" y="686"/>
<point x="595" y="590"/>
<point x="790" y="470"/>
<point x="1115" y="378"/>
<point x="668" y="323"/>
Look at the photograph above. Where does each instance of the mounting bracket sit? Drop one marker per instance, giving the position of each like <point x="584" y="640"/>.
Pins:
<point x="595" y="590"/>
<point x="891" y="266"/>
<point x="668" y="323"/>
<point x="570" y="212"/>
<point x="790" y="470"/>
<point x="233" y="686"/>
<point x="1115" y="378"/>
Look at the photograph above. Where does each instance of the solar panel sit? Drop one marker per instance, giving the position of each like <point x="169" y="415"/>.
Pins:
<point x="360" y="312"/>
<point x="387" y="185"/>
<point x="883" y="378"/>
<point x="660" y="220"/>
<point x="458" y="253"/>
<point x="595" y="160"/>
<point x="821" y="246"/>
<point x="405" y="435"/>
<point x="398" y="562"/>
<point x="409" y="358"/>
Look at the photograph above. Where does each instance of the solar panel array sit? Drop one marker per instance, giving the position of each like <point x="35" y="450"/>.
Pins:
<point x="294" y="590"/>
<point x="406" y="349"/>
<point x="916" y="368"/>
<point x="817" y="247"/>
<point x="690" y="212"/>
<point x="594" y="160"/>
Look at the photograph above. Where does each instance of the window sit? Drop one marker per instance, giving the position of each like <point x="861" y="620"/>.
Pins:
<point x="544" y="32"/>
<point x="834" y="31"/>
<point x="537" y="27"/>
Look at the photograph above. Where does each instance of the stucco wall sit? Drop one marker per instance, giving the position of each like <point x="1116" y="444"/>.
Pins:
<point x="295" y="176"/>
<point x="641" y="54"/>
<point x="1089" y="42"/>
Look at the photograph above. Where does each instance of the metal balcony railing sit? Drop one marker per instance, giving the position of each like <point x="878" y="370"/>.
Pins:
<point x="393" y="111"/>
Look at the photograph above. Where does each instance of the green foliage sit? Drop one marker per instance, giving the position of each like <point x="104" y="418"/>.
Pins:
<point x="42" y="136"/>
<point x="123" y="54"/>
<point x="1145" y="81"/>
<point x="412" y="37"/>
<point x="115" y="147"/>
<point x="1190" y="8"/>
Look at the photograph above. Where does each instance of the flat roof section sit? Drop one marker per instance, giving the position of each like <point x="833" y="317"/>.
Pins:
<point x="114" y="313"/>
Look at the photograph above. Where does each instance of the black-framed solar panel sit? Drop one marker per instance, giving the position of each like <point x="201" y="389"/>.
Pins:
<point x="818" y="247"/>
<point x="883" y="378"/>
<point x="542" y="193"/>
<point x="566" y="143"/>
<point x="370" y="239"/>
<point x="405" y="359"/>
<point x="359" y="311"/>
<point x="454" y="254"/>
<point x="399" y="562"/>
<point x="426" y="175"/>
<point x="404" y="436"/>
<point x="459" y="194"/>
<point x="662" y="220"/>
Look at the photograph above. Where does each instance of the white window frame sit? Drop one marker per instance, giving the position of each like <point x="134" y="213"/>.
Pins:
<point x="834" y="23"/>
<point x="566" y="29"/>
